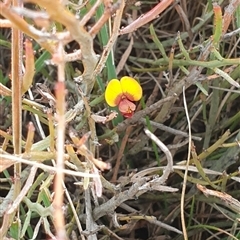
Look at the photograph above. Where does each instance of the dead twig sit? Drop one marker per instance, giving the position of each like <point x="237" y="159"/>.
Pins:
<point x="149" y="16"/>
<point x="169" y="168"/>
<point x="120" y="153"/>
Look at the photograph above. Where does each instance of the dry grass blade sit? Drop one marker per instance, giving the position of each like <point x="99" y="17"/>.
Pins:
<point x="226" y="198"/>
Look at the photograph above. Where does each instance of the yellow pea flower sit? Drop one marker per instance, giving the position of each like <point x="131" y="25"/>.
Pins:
<point x="122" y="94"/>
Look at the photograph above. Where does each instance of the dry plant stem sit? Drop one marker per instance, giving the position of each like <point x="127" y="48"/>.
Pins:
<point x="120" y="153"/>
<point x="90" y="13"/>
<point x="71" y="57"/>
<point x="150" y="219"/>
<point x="4" y="90"/>
<point x="59" y="179"/>
<point x="116" y="200"/>
<point x="108" y="11"/>
<point x="228" y="14"/>
<point x="58" y="13"/>
<point x="5" y="23"/>
<point x="29" y="66"/>
<point x="169" y="168"/>
<point x="91" y="123"/>
<point x="224" y="101"/>
<point x="113" y="234"/>
<point x="27" y="13"/>
<point x="5" y="157"/>
<point x="52" y="149"/>
<point x="90" y="224"/>
<point x="231" y="34"/>
<point x="30" y="137"/>
<point x="18" y="23"/>
<point x="16" y="74"/>
<point x="7" y="201"/>
<point x="186" y="171"/>
<point x="175" y="167"/>
<point x="125" y="56"/>
<point x="169" y="129"/>
<point x="226" y="198"/>
<point x="142" y="20"/>
<point x="112" y="40"/>
<point x="139" y="187"/>
<point x="24" y="191"/>
<point x="184" y="20"/>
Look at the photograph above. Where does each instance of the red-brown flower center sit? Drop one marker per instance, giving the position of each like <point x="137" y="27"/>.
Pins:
<point x="126" y="107"/>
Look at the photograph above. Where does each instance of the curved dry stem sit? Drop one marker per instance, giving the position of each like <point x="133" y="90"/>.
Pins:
<point x="58" y="13"/>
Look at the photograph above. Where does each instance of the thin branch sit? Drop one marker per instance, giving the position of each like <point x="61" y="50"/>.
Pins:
<point x="169" y="129"/>
<point x="16" y="75"/>
<point x="187" y="164"/>
<point x="60" y="14"/>
<point x="108" y="11"/>
<point x="90" y="13"/>
<point x="24" y="191"/>
<point x="145" y="18"/>
<point x="45" y="167"/>
<point x="91" y="226"/>
<point x="228" y="14"/>
<point x="120" y="153"/>
<point x="19" y="23"/>
<point x="5" y="23"/>
<point x="169" y="168"/>
<point x="59" y="179"/>
<point x="112" y="40"/>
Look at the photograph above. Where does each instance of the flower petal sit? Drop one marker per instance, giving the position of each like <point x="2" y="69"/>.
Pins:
<point x="131" y="88"/>
<point x="113" y="93"/>
<point x="126" y="107"/>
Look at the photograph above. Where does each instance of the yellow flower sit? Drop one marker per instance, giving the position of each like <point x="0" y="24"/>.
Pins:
<point x="122" y="94"/>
